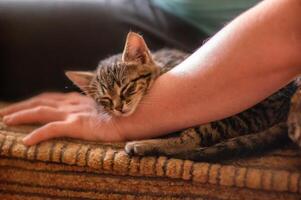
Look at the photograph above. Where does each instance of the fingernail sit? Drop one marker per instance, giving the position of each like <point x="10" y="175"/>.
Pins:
<point x="25" y="139"/>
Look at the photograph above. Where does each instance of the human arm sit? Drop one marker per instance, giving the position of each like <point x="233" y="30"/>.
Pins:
<point x="255" y="55"/>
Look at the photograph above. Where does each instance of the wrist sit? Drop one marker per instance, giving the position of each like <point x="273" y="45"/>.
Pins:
<point x="108" y="130"/>
<point x="123" y="127"/>
<point x="154" y="115"/>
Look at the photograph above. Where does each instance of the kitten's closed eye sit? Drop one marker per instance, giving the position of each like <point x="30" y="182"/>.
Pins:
<point x="130" y="89"/>
<point x="105" y="101"/>
<point x="120" y="82"/>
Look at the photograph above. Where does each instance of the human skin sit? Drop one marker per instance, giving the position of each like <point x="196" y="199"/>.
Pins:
<point x="252" y="57"/>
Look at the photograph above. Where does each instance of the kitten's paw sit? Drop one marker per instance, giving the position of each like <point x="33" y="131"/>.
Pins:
<point x="129" y="148"/>
<point x="294" y="118"/>
<point x="140" y="148"/>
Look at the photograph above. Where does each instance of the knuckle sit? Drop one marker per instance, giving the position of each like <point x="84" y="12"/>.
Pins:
<point x="40" y="109"/>
<point x="36" y="102"/>
<point x="51" y="126"/>
<point x="73" y="94"/>
<point x="79" y="119"/>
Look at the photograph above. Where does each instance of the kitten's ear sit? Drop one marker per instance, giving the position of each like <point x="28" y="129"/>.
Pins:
<point x="81" y="79"/>
<point x="136" y="50"/>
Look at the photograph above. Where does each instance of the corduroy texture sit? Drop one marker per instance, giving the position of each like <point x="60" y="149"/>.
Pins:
<point x="75" y="169"/>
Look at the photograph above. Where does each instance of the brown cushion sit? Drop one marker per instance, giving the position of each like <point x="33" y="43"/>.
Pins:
<point x="76" y="169"/>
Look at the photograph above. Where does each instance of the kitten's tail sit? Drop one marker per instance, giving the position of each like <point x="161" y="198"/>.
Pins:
<point x="243" y="145"/>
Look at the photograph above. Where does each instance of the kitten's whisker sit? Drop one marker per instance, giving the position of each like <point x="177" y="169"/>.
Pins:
<point x="115" y="125"/>
<point x="101" y="116"/>
<point x="148" y="102"/>
<point x="90" y="89"/>
<point x="151" y="98"/>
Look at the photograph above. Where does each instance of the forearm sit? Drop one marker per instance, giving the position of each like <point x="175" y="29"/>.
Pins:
<point x="248" y="60"/>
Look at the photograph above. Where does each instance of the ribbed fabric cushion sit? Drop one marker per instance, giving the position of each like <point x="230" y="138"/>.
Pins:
<point x="75" y="169"/>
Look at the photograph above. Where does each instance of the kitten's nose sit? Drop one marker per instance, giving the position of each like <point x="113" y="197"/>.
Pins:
<point x="119" y="107"/>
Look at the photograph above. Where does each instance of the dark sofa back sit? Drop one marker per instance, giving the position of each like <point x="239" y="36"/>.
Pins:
<point x="41" y="39"/>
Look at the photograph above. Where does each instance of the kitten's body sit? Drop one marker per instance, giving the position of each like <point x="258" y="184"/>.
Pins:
<point x="121" y="81"/>
<point x="258" y="128"/>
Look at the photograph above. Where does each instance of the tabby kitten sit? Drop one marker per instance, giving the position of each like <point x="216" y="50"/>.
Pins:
<point x="120" y="82"/>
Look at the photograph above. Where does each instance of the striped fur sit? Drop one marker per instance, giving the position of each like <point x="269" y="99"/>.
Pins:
<point x="294" y="118"/>
<point x="256" y="129"/>
<point x="119" y="86"/>
<point x="275" y="136"/>
<point x="121" y="81"/>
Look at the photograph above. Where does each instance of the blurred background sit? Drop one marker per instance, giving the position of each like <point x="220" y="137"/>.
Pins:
<point x="40" y="39"/>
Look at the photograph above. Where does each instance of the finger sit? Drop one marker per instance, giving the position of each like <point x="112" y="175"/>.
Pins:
<point x="51" y="99"/>
<point x="77" y="98"/>
<point x="27" y="104"/>
<point x="41" y="114"/>
<point x="73" y="98"/>
<point x="57" y="95"/>
<point x="72" y="109"/>
<point x="52" y="130"/>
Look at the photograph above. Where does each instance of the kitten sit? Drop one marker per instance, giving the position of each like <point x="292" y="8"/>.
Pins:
<point x="120" y="82"/>
<point x="294" y="118"/>
<point x="255" y="130"/>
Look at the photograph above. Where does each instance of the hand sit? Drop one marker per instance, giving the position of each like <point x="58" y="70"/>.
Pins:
<point x="64" y="115"/>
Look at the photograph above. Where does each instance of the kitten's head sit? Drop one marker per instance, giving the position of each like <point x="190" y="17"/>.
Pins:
<point x="118" y="85"/>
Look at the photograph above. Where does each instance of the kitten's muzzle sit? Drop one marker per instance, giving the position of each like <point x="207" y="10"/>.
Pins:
<point x="122" y="112"/>
<point x="119" y="108"/>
